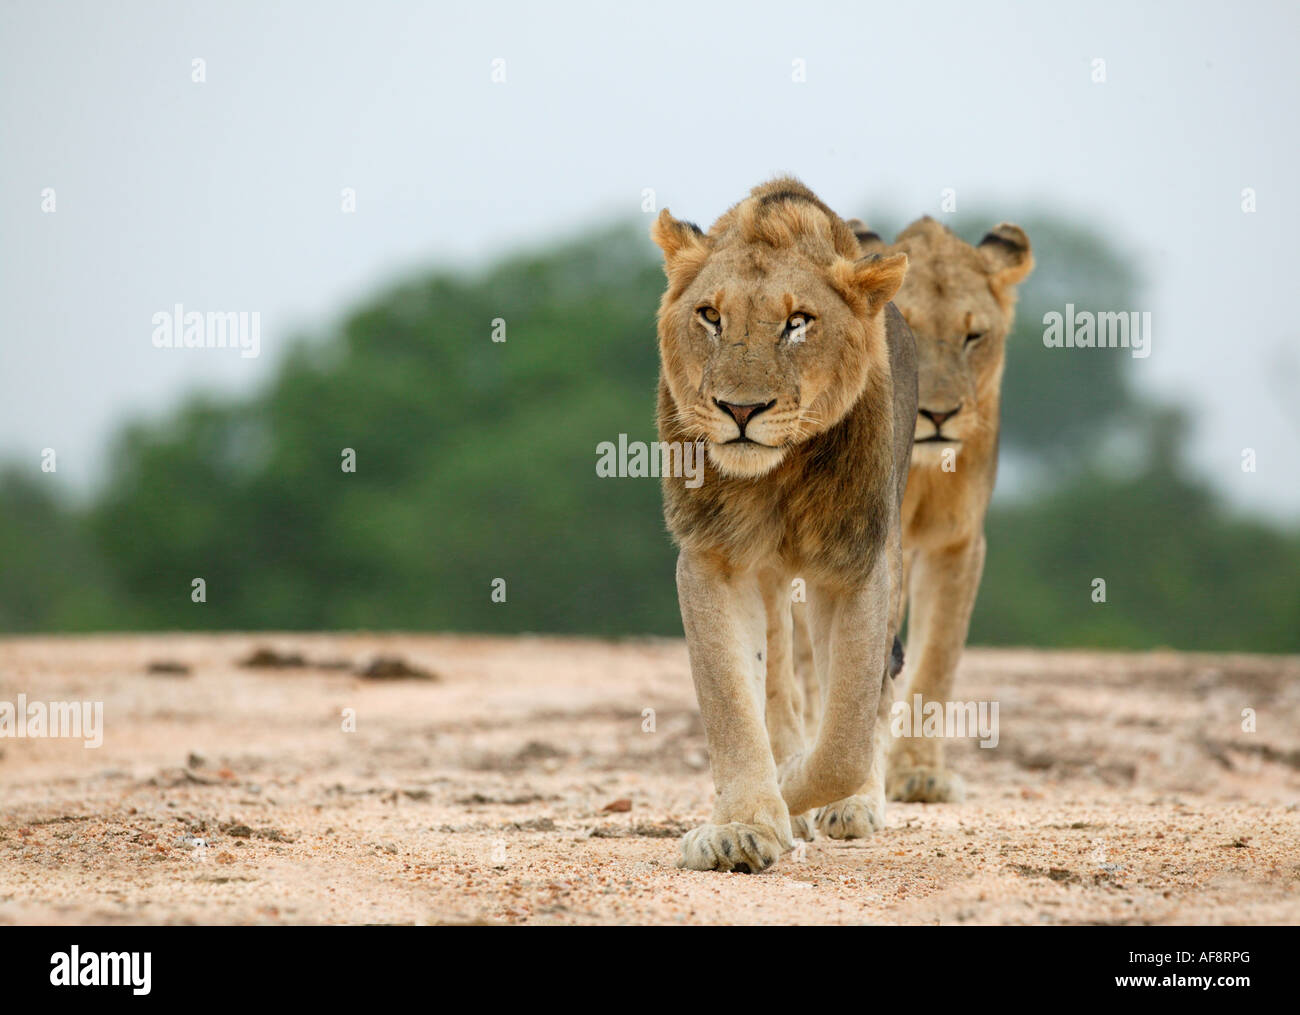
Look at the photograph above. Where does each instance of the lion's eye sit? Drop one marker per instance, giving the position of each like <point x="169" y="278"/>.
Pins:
<point x="974" y="337"/>
<point x="710" y="317"/>
<point x="796" y="323"/>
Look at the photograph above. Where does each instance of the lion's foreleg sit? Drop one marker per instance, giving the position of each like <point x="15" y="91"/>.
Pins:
<point x="725" y="622"/>
<point x="849" y="628"/>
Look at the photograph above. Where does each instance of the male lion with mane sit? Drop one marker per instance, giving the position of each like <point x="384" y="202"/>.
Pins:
<point x="781" y="353"/>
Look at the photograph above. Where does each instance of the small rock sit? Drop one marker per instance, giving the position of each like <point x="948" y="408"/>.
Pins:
<point x="394" y="668"/>
<point x="269" y="658"/>
<point x="620" y="806"/>
<point x="168" y="667"/>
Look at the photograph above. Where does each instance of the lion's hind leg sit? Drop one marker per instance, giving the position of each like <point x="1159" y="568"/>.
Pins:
<point x="943" y="596"/>
<point x="786" y="707"/>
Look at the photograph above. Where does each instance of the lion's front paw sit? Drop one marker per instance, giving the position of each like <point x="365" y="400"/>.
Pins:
<point x="746" y="849"/>
<point x="924" y="784"/>
<point x="854" y="817"/>
<point x="802" y="826"/>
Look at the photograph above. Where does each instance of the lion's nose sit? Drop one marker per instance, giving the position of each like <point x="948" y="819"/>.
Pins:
<point x="937" y="418"/>
<point x="742" y="414"/>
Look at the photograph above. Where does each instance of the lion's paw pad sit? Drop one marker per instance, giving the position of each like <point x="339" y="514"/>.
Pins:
<point x="854" y="817"/>
<point x="802" y="826"/>
<point x="926" y="785"/>
<point x="745" y="849"/>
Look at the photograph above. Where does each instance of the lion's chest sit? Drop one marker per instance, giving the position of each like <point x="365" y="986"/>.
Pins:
<point x="801" y="524"/>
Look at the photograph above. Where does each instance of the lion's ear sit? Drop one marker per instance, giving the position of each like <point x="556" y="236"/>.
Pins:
<point x="678" y="240"/>
<point x="869" y="241"/>
<point x="873" y="278"/>
<point x="1006" y="254"/>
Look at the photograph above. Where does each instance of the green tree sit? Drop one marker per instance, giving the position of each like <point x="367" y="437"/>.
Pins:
<point x="475" y="461"/>
<point x="51" y="577"/>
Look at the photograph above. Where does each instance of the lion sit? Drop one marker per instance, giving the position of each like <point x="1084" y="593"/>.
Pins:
<point x="959" y="301"/>
<point x="782" y="356"/>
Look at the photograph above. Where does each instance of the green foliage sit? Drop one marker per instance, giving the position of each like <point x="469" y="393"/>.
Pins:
<point x="1178" y="572"/>
<point x="51" y="578"/>
<point x="475" y="460"/>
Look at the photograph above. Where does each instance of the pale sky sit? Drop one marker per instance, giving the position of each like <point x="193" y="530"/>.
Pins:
<point x="225" y="195"/>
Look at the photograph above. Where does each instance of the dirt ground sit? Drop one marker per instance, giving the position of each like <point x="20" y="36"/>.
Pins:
<point x="519" y="786"/>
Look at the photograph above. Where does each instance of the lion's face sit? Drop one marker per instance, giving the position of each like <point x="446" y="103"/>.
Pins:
<point x="764" y="345"/>
<point x="767" y="347"/>
<point x="959" y="301"/>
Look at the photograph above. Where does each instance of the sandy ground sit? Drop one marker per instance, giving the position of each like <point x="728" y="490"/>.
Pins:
<point x="1123" y="790"/>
